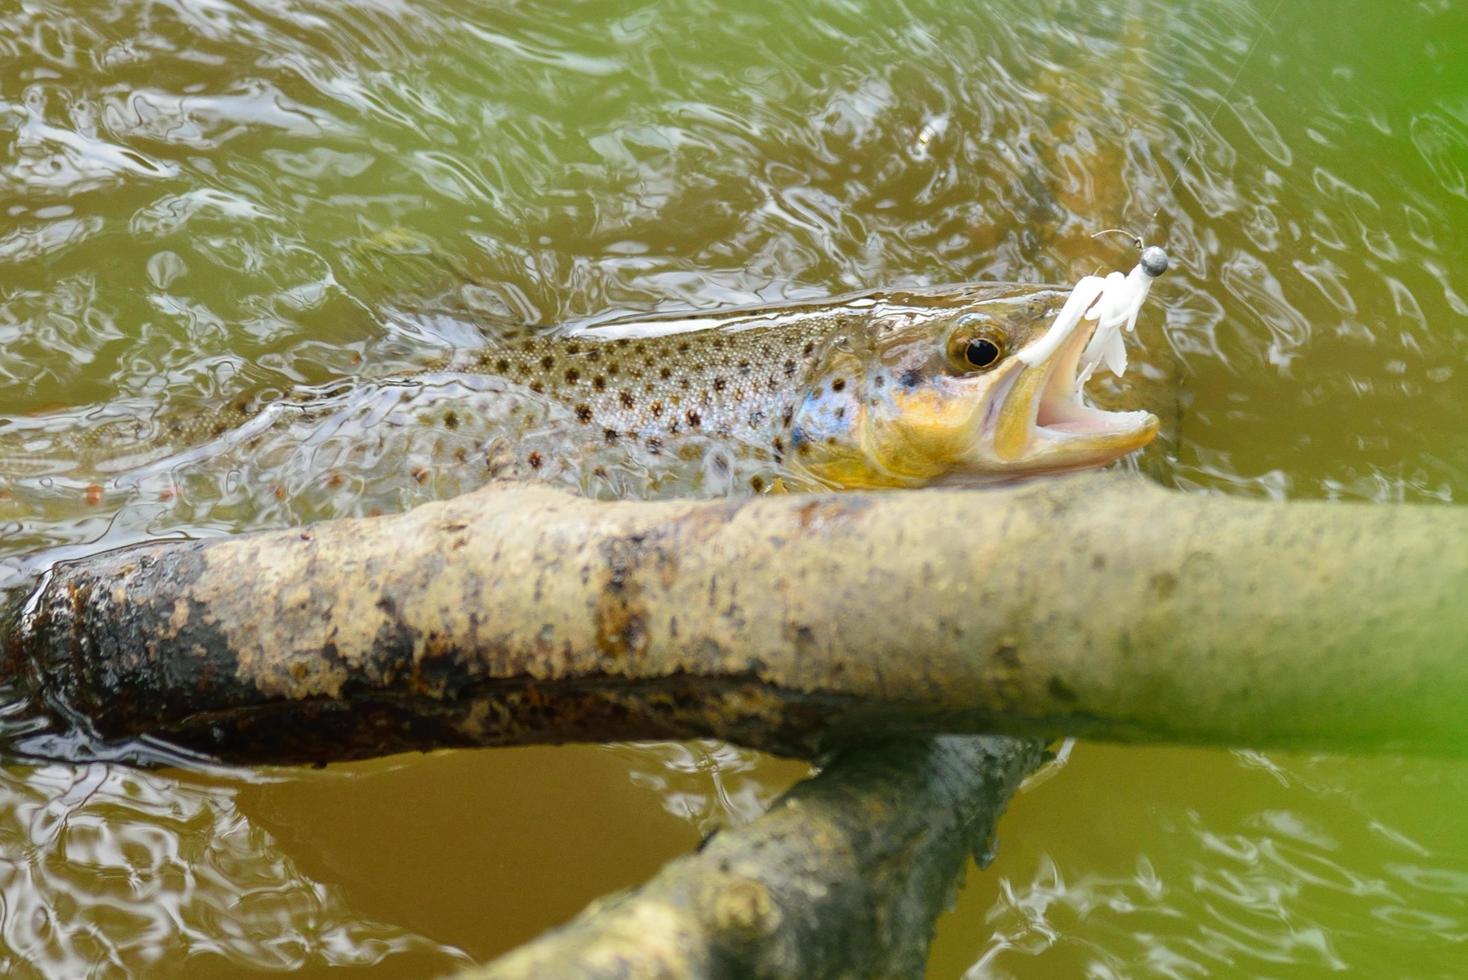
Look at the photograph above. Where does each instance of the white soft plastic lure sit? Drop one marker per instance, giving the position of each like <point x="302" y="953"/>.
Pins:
<point x="1114" y="302"/>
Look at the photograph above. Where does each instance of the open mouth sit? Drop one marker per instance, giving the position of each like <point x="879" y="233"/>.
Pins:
<point x="1043" y="409"/>
<point x="1061" y="410"/>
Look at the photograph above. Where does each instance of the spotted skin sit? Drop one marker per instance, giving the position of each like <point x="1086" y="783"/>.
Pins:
<point x="735" y="386"/>
<point x="804" y="394"/>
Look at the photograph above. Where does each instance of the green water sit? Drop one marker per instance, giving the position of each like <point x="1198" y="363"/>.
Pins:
<point x="205" y="200"/>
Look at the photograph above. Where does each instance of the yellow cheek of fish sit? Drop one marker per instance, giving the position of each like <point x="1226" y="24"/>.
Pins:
<point x="849" y="469"/>
<point x="931" y="433"/>
<point x="1016" y="416"/>
<point x="878" y="454"/>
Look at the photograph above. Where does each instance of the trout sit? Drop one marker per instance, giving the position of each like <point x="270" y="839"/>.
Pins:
<point x="972" y="383"/>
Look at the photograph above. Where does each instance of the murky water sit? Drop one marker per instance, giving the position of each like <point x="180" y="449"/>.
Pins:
<point x="205" y="200"/>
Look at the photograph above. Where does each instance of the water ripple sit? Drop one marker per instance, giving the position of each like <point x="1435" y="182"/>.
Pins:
<point x="213" y="200"/>
<point x="1223" y="889"/>
<point x="109" y="868"/>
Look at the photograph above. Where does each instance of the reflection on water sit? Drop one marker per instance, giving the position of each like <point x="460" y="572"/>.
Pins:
<point x="112" y="868"/>
<point x="204" y="201"/>
<point x="109" y="869"/>
<point x="736" y="789"/>
<point x="1284" y="866"/>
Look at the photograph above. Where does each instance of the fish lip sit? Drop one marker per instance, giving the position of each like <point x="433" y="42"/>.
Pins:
<point x="1053" y="403"/>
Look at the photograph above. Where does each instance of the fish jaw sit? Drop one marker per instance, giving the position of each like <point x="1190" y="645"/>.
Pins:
<point x="1039" y="420"/>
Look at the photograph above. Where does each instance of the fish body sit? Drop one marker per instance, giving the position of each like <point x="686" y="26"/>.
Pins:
<point x="871" y="389"/>
<point x="887" y="388"/>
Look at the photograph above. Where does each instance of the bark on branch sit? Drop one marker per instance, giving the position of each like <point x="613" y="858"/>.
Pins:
<point x="1096" y="605"/>
<point x="843" y="877"/>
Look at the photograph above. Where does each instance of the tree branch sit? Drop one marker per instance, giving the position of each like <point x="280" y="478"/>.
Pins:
<point x="1096" y="605"/>
<point x="844" y="876"/>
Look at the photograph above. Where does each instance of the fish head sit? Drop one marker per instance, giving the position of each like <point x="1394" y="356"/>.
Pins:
<point x="981" y="388"/>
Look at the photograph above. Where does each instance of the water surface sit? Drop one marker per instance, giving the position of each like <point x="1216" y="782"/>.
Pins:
<point x="205" y="200"/>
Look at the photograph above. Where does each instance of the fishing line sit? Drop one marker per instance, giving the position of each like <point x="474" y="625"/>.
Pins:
<point x="1137" y="240"/>
<point x="1222" y="101"/>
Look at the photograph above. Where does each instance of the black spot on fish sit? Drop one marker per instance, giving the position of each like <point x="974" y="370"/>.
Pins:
<point x="743" y="367"/>
<point x="572" y="376"/>
<point x="665" y="373"/>
<point x="683" y="347"/>
<point x="627" y="400"/>
<point x="838" y="385"/>
<point x="841" y="412"/>
<point x="879" y="381"/>
<point x="720" y="384"/>
<point x="583" y="414"/>
<point x="657" y="409"/>
<point x="548" y="361"/>
<point x="537" y="387"/>
<point x="593" y="355"/>
<point x="614" y="369"/>
<point x="694" y="419"/>
<point x="911" y="378"/>
<point x="502" y="365"/>
<point x="789" y="414"/>
<point x="789" y="369"/>
<point x="808" y="349"/>
<point x="757" y="484"/>
<point x="536" y="461"/>
<point x="573" y="349"/>
<point x="654" y="445"/>
<point x="610" y="435"/>
<point x="599" y="383"/>
<point x="451" y="420"/>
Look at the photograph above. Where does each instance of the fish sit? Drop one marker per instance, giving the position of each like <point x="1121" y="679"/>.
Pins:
<point x="894" y="388"/>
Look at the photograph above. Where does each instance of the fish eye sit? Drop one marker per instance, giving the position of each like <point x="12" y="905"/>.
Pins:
<point x="977" y="343"/>
<point x="981" y="352"/>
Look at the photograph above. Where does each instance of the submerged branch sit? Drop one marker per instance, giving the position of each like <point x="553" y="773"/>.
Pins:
<point x="1097" y="605"/>
<point x="844" y="876"/>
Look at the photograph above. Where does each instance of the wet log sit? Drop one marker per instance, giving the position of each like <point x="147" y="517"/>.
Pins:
<point x="843" y="877"/>
<point x="1096" y="605"/>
